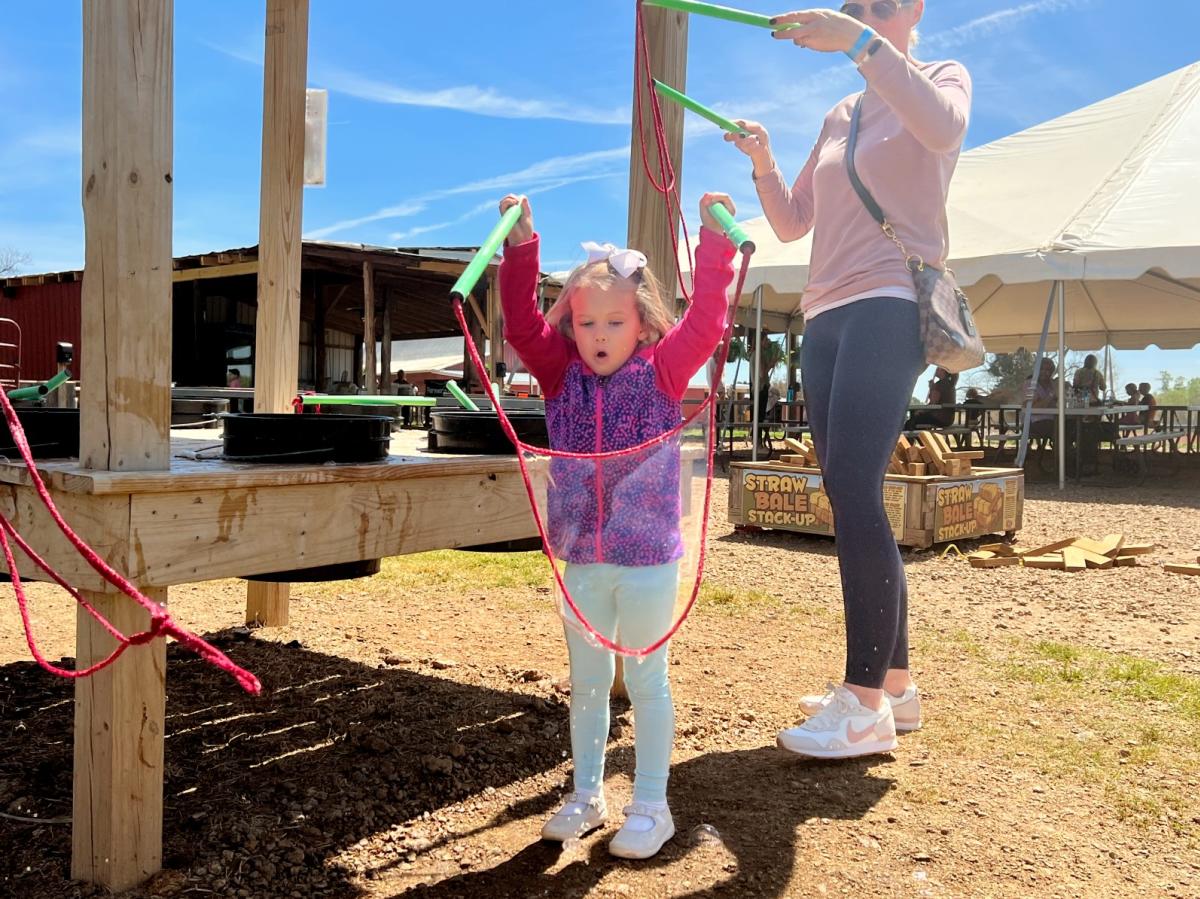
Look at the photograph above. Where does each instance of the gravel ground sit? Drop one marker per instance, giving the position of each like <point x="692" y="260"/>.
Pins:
<point x="412" y="735"/>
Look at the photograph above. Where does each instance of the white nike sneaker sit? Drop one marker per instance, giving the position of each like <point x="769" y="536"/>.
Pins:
<point x="844" y="729"/>
<point x="579" y="815"/>
<point x="906" y="708"/>
<point x="644" y="832"/>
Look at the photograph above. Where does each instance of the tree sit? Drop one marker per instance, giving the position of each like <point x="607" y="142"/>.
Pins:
<point x="11" y="261"/>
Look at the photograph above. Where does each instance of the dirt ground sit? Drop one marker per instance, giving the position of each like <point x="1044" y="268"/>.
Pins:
<point x="412" y="734"/>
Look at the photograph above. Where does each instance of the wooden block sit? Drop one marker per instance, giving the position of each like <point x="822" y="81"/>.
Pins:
<point x="1126" y="561"/>
<point x="794" y="445"/>
<point x="1094" y="560"/>
<point x="943" y="443"/>
<point x="1137" y="549"/>
<point x="1183" y="569"/>
<point x="1047" y="561"/>
<point x="982" y="554"/>
<point x="1089" y="545"/>
<point x="996" y="562"/>
<point x="999" y="549"/>
<point x="902" y="444"/>
<point x="1073" y="559"/>
<point x="1048" y="548"/>
<point x="1111" y="544"/>
<point x="917" y="469"/>
<point x="968" y="455"/>
<point x="915" y="455"/>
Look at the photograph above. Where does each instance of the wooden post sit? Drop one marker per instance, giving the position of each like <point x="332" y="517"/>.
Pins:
<point x="116" y="837"/>
<point x="319" y="349"/>
<point x="277" y="325"/>
<point x="370" y="375"/>
<point x="495" y="329"/>
<point x="650" y="226"/>
<point x="277" y="328"/>
<point x="128" y="61"/>
<point x="385" y="346"/>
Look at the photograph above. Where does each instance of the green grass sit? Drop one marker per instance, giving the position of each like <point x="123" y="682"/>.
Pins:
<point x="727" y="599"/>
<point x="1115" y="721"/>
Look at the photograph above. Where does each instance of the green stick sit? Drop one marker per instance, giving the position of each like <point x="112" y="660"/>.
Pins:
<point x="469" y="278"/>
<point x="341" y="399"/>
<point x="665" y="90"/>
<point x="718" y="12"/>
<point x="733" y="230"/>
<point x="40" y="390"/>
<point x="463" y="400"/>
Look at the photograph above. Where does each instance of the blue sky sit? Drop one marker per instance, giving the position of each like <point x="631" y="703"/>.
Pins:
<point x="434" y="116"/>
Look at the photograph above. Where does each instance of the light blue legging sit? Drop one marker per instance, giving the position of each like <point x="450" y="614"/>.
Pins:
<point x="638" y="604"/>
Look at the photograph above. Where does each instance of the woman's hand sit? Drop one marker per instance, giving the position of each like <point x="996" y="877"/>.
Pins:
<point x="823" y="30"/>
<point x="523" y="230"/>
<point x="706" y="216"/>
<point x="756" y="144"/>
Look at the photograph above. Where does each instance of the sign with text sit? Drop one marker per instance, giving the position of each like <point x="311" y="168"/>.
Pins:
<point x="798" y="502"/>
<point x="973" y="508"/>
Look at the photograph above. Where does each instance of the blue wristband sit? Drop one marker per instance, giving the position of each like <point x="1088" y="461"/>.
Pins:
<point x="860" y="44"/>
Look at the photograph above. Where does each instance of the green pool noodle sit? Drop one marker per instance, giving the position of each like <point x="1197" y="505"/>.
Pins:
<point x="363" y="400"/>
<point x="665" y="90"/>
<point x="718" y="12"/>
<point x="470" y="277"/>
<point x="463" y="400"/>
<point x="733" y="230"/>
<point x="36" y="391"/>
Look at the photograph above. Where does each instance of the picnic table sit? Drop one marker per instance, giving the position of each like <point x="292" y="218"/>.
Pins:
<point x="1081" y="414"/>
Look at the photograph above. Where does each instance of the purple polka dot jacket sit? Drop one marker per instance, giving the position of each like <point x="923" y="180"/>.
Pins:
<point x="624" y="510"/>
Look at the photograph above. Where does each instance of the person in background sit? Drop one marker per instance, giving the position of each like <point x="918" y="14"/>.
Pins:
<point x="1089" y="382"/>
<point x="1045" y="396"/>
<point x="235" y="378"/>
<point x="943" y="390"/>
<point x="1131" y="419"/>
<point x="402" y="387"/>
<point x="1150" y="416"/>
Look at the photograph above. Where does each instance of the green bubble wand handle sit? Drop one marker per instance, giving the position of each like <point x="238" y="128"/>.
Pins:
<point x="668" y="92"/>
<point x="733" y="230"/>
<point x="718" y="12"/>
<point x="457" y="392"/>
<point x="470" y="277"/>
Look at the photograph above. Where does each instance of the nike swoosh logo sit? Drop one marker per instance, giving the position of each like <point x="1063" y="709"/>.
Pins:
<point x="856" y="736"/>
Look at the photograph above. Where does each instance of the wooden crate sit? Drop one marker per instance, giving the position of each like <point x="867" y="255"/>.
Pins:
<point x="922" y="510"/>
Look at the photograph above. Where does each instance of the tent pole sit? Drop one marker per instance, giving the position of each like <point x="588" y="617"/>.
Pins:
<point x="756" y="375"/>
<point x="1027" y="414"/>
<point x="1062" y="386"/>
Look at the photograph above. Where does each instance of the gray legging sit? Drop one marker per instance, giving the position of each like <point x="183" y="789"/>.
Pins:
<point x="860" y="363"/>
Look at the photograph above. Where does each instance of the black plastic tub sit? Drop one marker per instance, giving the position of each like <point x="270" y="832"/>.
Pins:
<point x="52" y="433"/>
<point x="461" y="431"/>
<point x="276" y="438"/>
<point x="389" y="412"/>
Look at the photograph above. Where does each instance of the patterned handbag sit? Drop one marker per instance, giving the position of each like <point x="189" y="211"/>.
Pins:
<point x="948" y="329"/>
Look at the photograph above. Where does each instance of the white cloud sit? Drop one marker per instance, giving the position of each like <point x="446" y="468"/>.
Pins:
<point x="548" y="174"/>
<point x="996" y="21"/>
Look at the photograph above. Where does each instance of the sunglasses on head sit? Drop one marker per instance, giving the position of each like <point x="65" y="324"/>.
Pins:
<point x="880" y="9"/>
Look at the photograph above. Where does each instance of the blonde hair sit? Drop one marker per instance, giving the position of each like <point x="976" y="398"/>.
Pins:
<point x="648" y="298"/>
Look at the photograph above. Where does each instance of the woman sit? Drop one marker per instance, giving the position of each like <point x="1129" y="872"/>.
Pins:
<point x="862" y="346"/>
<point x="943" y="390"/>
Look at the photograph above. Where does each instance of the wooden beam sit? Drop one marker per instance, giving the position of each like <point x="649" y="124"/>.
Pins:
<point x="215" y="271"/>
<point x="277" y="343"/>
<point x="650" y="224"/>
<point x="126" y="302"/>
<point x="385" y="362"/>
<point x="267" y="603"/>
<point x="370" y="376"/>
<point x="116" y="839"/>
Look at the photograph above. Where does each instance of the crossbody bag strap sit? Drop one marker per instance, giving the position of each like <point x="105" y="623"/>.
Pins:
<point x="865" y="195"/>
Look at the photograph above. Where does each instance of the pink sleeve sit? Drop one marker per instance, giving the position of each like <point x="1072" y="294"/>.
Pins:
<point x="790" y="212"/>
<point x="544" y="351"/>
<point x="933" y="108"/>
<point x="686" y="347"/>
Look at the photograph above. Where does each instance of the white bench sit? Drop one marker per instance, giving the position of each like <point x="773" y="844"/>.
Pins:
<point x="1139" y="442"/>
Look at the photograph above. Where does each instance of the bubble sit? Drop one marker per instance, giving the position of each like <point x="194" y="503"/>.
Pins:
<point x="573" y="851"/>
<point x="705" y="835"/>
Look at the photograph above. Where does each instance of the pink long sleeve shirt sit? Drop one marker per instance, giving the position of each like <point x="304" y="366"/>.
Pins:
<point x="914" y="119"/>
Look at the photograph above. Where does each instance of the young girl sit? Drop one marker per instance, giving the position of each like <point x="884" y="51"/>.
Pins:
<point x="614" y="369"/>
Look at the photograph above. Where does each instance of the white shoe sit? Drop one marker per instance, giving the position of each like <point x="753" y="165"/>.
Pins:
<point x="906" y="708"/>
<point x="844" y="729"/>
<point x="630" y="843"/>
<point x="579" y="815"/>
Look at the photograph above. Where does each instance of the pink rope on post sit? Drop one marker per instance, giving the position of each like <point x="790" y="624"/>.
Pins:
<point x="161" y="623"/>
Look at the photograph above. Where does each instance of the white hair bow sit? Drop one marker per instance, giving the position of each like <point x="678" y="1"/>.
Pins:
<point x="624" y="262"/>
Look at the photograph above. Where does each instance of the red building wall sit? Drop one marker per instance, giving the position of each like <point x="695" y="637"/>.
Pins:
<point x="47" y="313"/>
